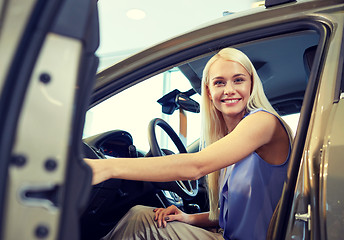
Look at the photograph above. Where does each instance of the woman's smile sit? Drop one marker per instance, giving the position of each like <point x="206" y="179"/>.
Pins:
<point x="231" y="101"/>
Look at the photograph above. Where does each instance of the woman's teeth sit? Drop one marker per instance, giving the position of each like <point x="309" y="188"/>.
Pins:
<point x="230" y="100"/>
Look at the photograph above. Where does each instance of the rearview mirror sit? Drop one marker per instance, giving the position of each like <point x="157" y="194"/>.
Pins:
<point x="187" y="103"/>
<point x="178" y="100"/>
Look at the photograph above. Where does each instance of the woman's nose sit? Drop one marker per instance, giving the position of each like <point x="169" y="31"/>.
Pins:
<point x="229" y="89"/>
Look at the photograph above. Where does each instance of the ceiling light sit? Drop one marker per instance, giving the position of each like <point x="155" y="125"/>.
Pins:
<point x="136" y="14"/>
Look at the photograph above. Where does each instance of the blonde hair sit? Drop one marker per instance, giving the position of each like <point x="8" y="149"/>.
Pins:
<point x="213" y="124"/>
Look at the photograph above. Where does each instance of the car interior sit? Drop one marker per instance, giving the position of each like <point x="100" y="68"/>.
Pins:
<point x="283" y="62"/>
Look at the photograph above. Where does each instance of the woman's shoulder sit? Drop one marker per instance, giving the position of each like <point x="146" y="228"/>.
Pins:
<point x="269" y="128"/>
<point x="267" y="117"/>
<point x="260" y="111"/>
<point x="261" y="114"/>
<point x="260" y="124"/>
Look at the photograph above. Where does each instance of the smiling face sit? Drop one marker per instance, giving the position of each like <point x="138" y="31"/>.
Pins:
<point x="229" y="88"/>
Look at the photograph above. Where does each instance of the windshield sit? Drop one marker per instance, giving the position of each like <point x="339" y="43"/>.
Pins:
<point x="132" y="109"/>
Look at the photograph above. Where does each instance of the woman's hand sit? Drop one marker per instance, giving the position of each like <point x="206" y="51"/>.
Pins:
<point x="172" y="213"/>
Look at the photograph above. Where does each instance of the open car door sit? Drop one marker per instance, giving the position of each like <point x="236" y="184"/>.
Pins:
<point x="47" y="69"/>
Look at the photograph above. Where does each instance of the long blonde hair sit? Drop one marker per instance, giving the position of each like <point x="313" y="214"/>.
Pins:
<point x="213" y="124"/>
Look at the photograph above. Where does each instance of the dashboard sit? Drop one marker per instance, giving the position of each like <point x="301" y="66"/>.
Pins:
<point x="115" y="143"/>
<point x="111" y="199"/>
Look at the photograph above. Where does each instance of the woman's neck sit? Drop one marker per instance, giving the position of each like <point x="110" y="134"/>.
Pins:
<point x="233" y="121"/>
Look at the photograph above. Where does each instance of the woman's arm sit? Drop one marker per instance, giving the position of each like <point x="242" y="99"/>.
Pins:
<point x="202" y="220"/>
<point x="251" y="133"/>
<point x="155" y="169"/>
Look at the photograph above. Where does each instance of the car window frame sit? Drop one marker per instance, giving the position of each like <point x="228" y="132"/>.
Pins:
<point x="285" y="208"/>
<point x="340" y="75"/>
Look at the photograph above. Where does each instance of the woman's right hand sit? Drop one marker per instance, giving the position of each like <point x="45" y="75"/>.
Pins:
<point x="100" y="169"/>
<point x="172" y="213"/>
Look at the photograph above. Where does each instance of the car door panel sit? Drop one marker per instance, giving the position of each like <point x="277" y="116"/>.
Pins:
<point x="46" y="183"/>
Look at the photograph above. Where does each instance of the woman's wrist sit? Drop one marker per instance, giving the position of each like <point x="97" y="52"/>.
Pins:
<point x="109" y="168"/>
<point x="102" y="169"/>
<point x="188" y="218"/>
<point x="200" y="220"/>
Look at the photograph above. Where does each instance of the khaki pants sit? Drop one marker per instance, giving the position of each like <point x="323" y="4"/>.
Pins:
<point x="139" y="223"/>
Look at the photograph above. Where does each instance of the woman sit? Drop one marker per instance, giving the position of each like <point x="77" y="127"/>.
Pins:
<point x="245" y="148"/>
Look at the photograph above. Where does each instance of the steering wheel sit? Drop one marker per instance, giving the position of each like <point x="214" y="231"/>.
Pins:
<point x="185" y="189"/>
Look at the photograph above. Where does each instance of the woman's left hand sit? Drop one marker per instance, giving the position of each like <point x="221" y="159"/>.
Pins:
<point x="172" y="213"/>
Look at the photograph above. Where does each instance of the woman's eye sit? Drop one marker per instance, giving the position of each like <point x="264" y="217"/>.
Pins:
<point x="218" y="83"/>
<point x="238" y="80"/>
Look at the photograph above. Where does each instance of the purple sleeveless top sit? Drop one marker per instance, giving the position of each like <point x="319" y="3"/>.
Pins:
<point x="250" y="191"/>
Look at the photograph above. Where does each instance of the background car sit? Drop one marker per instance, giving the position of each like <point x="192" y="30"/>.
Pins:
<point x="53" y="113"/>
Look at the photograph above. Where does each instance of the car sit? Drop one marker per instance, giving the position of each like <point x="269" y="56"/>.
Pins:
<point x="55" y="109"/>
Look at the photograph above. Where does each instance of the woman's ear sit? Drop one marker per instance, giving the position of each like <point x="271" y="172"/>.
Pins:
<point x="208" y="93"/>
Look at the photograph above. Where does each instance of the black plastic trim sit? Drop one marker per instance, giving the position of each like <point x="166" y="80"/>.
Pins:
<point x="340" y="74"/>
<point x="78" y="186"/>
<point x="73" y="22"/>
<point x="271" y="3"/>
